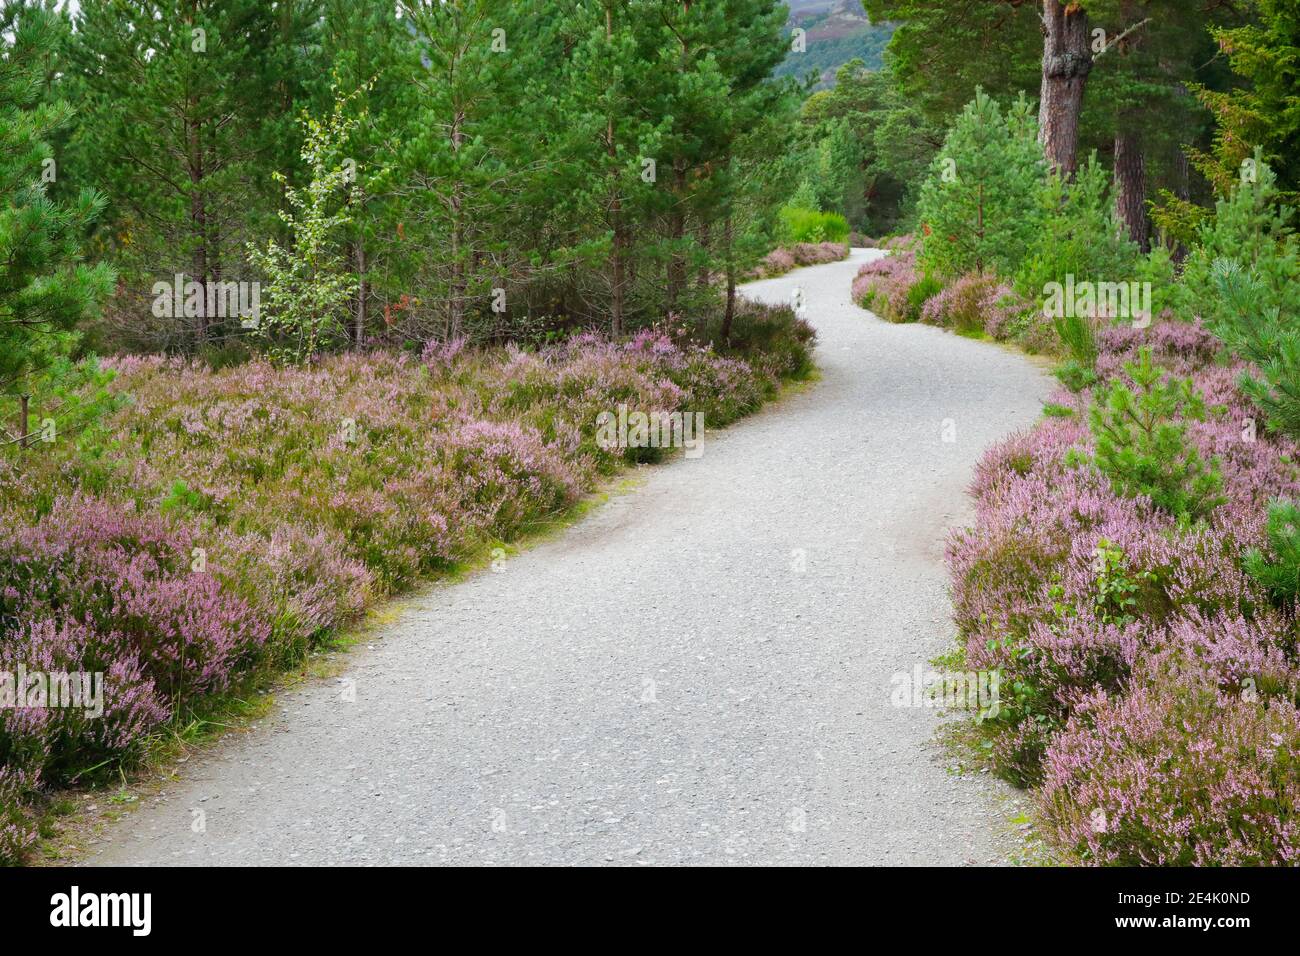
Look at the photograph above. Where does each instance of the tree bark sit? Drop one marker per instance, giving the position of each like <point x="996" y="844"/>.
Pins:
<point x="677" y="232"/>
<point x="1131" y="186"/>
<point x="615" y="210"/>
<point x="702" y="277"/>
<point x="730" y="313"/>
<point x="456" y="300"/>
<point x="677" y="219"/>
<point x="617" y="280"/>
<point x="1067" y="60"/>
<point x="363" y="292"/>
<point x="199" y="225"/>
<point x="1130" y="148"/>
<point x="24" y="420"/>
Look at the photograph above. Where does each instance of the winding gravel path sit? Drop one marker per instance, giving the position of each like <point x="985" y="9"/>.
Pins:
<point x="699" y="672"/>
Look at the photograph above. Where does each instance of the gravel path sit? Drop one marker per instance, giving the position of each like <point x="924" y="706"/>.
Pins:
<point x="699" y="672"/>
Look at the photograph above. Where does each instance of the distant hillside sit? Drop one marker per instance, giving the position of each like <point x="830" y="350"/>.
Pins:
<point x="837" y="31"/>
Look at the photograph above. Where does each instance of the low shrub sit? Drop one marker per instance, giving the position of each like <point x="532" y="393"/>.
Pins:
<point x="886" y="285"/>
<point x="231" y="520"/>
<point x="1141" y="441"/>
<point x="1277" y="570"/>
<point x="1149" y="674"/>
<point x="975" y="302"/>
<point x="800" y="225"/>
<point x="1177" y="773"/>
<point x="787" y="258"/>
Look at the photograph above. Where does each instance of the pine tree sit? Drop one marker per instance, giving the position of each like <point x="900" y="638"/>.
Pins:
<point x="186" y="108"/>
<point x="1264" y="112"/>
<point x="369" y="51"/>
<point x="978" y="210"/>
<point x="1251" y="227"/>
<point x="605" y="137"/>
<point x="469" y="101"/>
<point x="46" y="288"/>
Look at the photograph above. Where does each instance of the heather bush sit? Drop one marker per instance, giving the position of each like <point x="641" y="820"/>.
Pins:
<point x="771" y="340"/>
<point x="885" y="286"/>
<point x="299" y="580"/>
<point x="793" y="256"/>
<point x="18" y="829"/>
<point x="233" y="519"/>
<point x="818" y="253"/>
<point x="1143" y="660"/>
<point x="777" y="262"/>
<point x="58" y="743"/>
<point x="975" y="302"/>
<point x="129" y="579"/>
<point x="1177" y="773"/>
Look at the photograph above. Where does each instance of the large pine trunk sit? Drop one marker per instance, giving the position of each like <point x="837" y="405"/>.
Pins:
<point x="1131" y="186"/>
<point x="1130" y="155"/>
<point x="1067" y="60"/>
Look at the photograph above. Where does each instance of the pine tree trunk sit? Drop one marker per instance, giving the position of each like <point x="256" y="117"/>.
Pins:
<point x="677" y="232"/>
<point x="702" y="277"/>
<point x="677" y="220"/>
<point x="1067" y="60"/>
<point x="1131" y="186"/>
<point x="24" y="420"/>
<point x="615" y="211"/>
<point x="616" y="277"/>
<point x="456" y="299"/>
<point x="199" y="225"/>
<point x="363" y="292"/>
<point x="730" y="313"/>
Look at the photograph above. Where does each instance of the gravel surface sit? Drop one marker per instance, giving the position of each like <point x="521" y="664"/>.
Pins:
<point x="698" y="672"/>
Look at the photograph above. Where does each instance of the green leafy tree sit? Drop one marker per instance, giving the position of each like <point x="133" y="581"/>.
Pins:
<point x="467" y="110"/>
<point x="1079" y="235"/>
<point x="709" y="61"/>
<point x="604" y="137"/>
<point x="366" y="48"/>
<point x="46" y="288"/>
<point x="1147" y="56"/>
<point x="940" y="51"/>
<point x="310" y="279"/>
